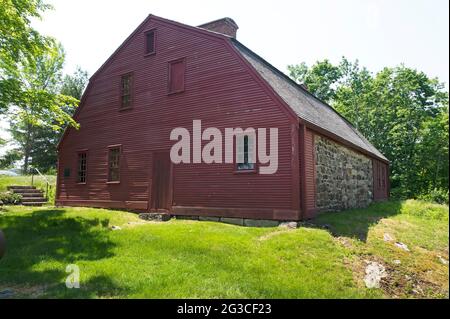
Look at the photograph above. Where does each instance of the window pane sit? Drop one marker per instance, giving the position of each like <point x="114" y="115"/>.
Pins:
<point x="113" y="165"/>
<point x="82" y="166"/>
<point x="126" y="82"/>
<point x="150" y="42"/>
<point x="247" y="149"/>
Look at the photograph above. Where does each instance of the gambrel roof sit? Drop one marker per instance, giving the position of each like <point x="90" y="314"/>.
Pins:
<point x="305" y="104"/>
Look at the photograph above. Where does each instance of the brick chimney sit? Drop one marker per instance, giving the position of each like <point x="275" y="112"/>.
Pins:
<point x="225" y="26"/>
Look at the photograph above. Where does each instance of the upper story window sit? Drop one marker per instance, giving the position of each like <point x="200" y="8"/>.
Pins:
<point x="126" y="87"/>
<point x="82" y="167"/>
<point x="114" y="164"/>
<point x="177" y="70"/>
<point x="246" y="151"/>
<point x="150" y="37"/>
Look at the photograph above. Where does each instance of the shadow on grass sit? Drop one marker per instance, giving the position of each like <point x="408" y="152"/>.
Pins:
<point x="40" y="245"/>
<point x="355" y="223"/>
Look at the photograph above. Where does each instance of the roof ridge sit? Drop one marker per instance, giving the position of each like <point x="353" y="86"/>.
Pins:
<point x="298" y="85"/>
<point x="308" y="96"/>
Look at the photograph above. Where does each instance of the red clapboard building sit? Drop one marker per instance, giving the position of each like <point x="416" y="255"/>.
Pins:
<point x="167" y="74"/>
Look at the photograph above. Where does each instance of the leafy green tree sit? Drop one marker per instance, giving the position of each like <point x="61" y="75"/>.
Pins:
<point x="320" y="79"/>
<point x="10" y="158"/>
<point x="74" y="84"/>
<point x="26" y="59"/>
<point x="18" y="42"/>
<point x="45" y="139"/>
<point x="41" y="104"/>
<point x="400" y="110"/>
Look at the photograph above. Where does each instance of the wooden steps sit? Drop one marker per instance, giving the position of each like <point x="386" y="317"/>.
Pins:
<point x="30" y="195"/>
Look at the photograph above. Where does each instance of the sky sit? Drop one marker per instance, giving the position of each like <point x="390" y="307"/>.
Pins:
<point x="378" y="33"/>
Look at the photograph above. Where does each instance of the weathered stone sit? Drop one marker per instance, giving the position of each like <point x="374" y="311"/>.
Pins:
<point x="6" y="293"/>
<point x="186" y="217"/>
<point x="234" y="221"/>
<point x="343" y="176"/>
<point x="209" y="219"/>
<point x="157" y="217"/>
<point x="402" y="246"/>
<point x="260" y="223"/>
<point x="288" y="224"/>
<point x="374" y="273"/>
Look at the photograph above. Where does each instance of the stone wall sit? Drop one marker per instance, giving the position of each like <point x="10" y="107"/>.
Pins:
<point x="343" y="176"/>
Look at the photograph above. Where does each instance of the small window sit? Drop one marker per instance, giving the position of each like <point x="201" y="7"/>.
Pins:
<point x="126" y="90"/>
<point x="114" y="164"/>
<point x="246" y="151"/>
<point x="150" y="42"/>
<point x="82" y="167"/>
<point x="66" y="172"/>
<point x="176" y="76"/>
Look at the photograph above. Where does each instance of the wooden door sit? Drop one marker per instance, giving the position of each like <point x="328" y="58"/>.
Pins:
<point x="161" y="198"/>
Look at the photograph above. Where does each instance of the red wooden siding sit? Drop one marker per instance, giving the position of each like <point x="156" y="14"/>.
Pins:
<point x="218" y="89"/>
<point x="310" y="175"/>
<point x="380" y="180"/>
<point x="176" y="76"/>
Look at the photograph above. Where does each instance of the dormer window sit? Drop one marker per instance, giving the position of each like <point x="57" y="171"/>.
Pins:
<point x="126" y="91"/>
<point x="150" y="37"/>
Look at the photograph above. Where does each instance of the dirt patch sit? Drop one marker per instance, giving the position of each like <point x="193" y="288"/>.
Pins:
<point x="401" y="284"/>
<point x="398" y="282"/>
<point x="344" y="241"/>
<point x="24" y="291"/>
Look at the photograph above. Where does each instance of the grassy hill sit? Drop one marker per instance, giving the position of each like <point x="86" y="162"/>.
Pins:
<point x="324" y="258"/>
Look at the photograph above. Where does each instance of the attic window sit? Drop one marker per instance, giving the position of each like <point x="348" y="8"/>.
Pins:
<point x="125" y="90"/>
<point x="150" y="42"/>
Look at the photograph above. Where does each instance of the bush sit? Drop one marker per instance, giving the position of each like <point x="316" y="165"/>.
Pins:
<point x="436" y="195"/>
<point x="9" y="198"/>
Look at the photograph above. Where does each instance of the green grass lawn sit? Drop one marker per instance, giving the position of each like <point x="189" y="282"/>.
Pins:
<point x="191" y="259"/>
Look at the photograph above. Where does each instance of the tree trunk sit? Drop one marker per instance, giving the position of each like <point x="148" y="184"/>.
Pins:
<point x="27" y="149"/>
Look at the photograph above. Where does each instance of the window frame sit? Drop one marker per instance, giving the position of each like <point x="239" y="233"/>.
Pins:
<point x="130" y="94"/>
<point x="79" y="152"/>
<point x="169" y="76"/>
<point x="149" y="53"/>
<point x="110" y="148"/>
<point x="238" y="170"/>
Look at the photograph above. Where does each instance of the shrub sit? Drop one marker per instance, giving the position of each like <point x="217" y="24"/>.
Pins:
<point x="9" y="198"/>
<point x="436" y="195"/>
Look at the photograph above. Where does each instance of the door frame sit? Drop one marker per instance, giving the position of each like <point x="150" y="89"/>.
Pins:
<point x="151" y="194"/>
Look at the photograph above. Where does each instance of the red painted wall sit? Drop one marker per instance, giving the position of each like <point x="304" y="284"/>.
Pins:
<point x="219" y="90"/>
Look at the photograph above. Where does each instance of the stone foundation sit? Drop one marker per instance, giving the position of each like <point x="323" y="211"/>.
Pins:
<point x="241" y="221"/>
<point x="343" y="177"/>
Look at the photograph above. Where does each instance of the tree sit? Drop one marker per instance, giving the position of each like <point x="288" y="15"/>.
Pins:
<point x="24" y="54"/>
<point x="45" y="139"/>
<point x="9" y="158"/>
<point x="74" y="85"/>
<point x="18" y="42"/>
<point x="401" y="111"/>
<point x="40" y="105"/>
<point x="320" y="79"/>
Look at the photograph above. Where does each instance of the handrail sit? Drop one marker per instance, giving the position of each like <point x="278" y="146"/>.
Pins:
<point x="48" y="185"/>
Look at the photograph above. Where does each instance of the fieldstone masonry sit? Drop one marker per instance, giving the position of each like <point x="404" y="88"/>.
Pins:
<point x="343" y="177"/>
